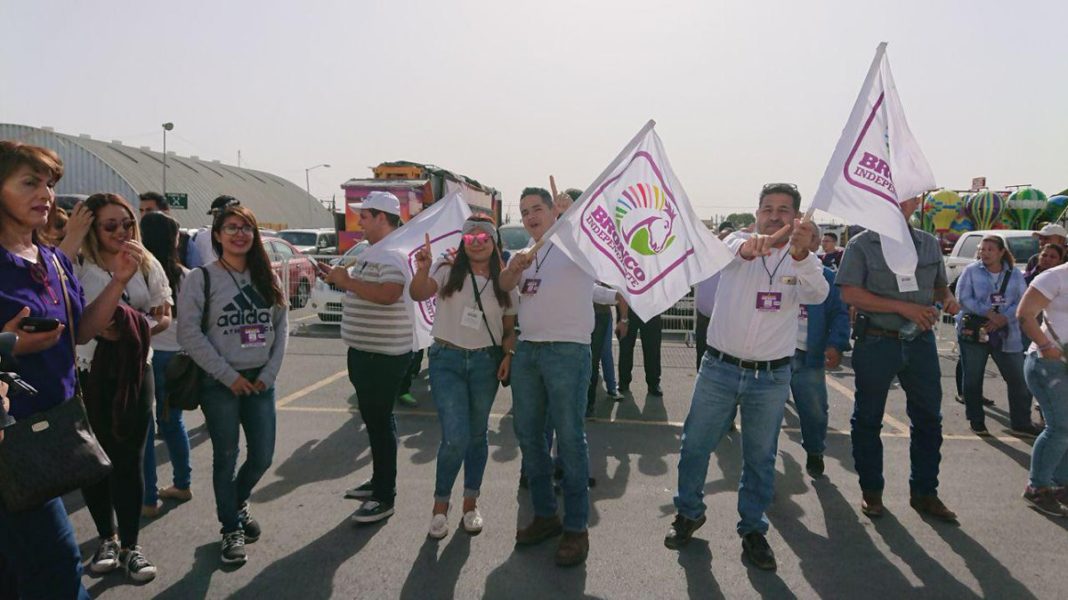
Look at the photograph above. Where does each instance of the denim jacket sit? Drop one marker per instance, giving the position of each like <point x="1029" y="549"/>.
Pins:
<point x="974" y="289"/>
<point x="828" y="324"/>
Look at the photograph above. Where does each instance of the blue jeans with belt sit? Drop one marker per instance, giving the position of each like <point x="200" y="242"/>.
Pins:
<point x="1047" y="380"/>
<point x="877" y="360"/>
<point x="549" y="381"/>
<point x="809" y="387"/>
<point x="175" y="437"/>
<point x="226" y="414"/>
<point x="720" y="390"/>
<point x="463" y="384"/>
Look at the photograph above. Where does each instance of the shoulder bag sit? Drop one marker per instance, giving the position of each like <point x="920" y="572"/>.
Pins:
<point x="478" y="300"/>
<point x="52" y="452"/>
<point x="183" y="375"/>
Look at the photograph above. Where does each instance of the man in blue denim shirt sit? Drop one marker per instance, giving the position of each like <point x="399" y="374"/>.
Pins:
<point x="822" y="337"/>
<point x="886" y="305"/>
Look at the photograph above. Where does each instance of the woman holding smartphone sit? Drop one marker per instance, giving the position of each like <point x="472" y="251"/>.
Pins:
<point x="241" y="352"/>
<point x="473" y="339"/>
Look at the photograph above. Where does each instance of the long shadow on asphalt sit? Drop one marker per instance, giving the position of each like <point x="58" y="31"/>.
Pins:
<point x="308" y="572"/>
<point x="696" y="561"/>
<point x="197" y="582"/>
<point x="441" y="569"/>
<point x="340" y="454"/>
<point x="530" y="573"/>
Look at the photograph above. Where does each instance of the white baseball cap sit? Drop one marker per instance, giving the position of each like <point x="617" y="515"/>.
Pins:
<point x="382" y="201"/>
<point x="1051" y="229"/>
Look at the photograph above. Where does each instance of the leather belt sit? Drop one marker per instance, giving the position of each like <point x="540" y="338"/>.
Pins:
<point x="886" y="333"/>
<point x="452" y="346"/>
<point x="753" y="365"/>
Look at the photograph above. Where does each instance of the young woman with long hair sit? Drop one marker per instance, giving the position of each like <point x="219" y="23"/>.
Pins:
<point x="160" y="233"/>
<point x="117" y="378"/>
<point x="241" y="353"/>
<point x="473" y="340"/>
<point x="38" y="546"/>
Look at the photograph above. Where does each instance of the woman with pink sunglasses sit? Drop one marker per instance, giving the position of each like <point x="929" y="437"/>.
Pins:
<point x="474" y="337"/>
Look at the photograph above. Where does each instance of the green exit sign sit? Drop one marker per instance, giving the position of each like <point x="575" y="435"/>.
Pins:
<point x="179" y="201"/>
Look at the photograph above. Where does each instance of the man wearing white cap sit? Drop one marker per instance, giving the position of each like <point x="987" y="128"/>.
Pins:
<point x="377" y="328"/>
<point x="1050" y="234"/>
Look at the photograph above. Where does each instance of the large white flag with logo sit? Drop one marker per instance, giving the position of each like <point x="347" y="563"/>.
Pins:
<point x="443" y="221"/>
<point x="877" y="165"/>
<point x="634" y="229"/>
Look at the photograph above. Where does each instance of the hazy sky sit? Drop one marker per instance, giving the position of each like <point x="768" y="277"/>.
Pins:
<point x="508" y="92"/>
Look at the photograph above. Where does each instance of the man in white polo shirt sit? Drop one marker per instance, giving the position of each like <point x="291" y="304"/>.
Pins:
<point x="550" y="375"/>
<point x="377" y="328"/>
<point x="751" y="339"/>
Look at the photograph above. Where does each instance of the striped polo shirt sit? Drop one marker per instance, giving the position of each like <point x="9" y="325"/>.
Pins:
<point x="371" y="327"/>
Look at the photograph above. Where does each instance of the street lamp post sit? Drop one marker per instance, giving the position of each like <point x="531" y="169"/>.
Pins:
<point x="307" y="180"/>
<point x="166" y="127"/>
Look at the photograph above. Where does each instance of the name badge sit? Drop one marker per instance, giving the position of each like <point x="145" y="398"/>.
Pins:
<point x="471" y="318"/>
<point x="769" y="301"/>
<point x="907" y="283"/>
<point x="530" y="287"/>
<point x="997" y="299"/>
<point x="254" y="336"/>
<point x="803" y="313"/>
<point x="788" y="280"/>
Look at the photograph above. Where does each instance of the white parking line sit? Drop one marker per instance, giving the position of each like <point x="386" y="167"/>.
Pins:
<point x="311" y="388"/>
<point x="901" y="428"/>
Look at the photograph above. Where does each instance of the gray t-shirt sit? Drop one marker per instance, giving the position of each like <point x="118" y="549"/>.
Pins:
<point x="863" y="266"/>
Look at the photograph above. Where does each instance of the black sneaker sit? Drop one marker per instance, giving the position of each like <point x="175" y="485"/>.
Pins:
<point x="361" y="492"/>
<point x="233" y="548"/>
<point x="137" y="566"/>
<point x="682" y="531"/>
<point x="756" y="549"/>
<point x="248" y="525"/>
<point x="373" y="511"/>
<point x="814" y="465"/>
<point x="979" y="428"/>
<point x="1030" y="430"/>
<point x="106" y="558"/>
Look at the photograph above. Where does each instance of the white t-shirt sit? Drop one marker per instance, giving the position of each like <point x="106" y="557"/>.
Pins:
<point x="143" y="292"/>
<point x="456" y="318"/>
<point x="1053" y="284"/>
<point x="167" y="340"/>
<point x="556" y="299"/>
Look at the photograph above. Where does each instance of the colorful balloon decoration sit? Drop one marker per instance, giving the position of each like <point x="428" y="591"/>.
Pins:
<point x="1055" y="208"/>
<point x="940" y="209"/>
<point x="985" y="209"/>
<point x="1024" y="207"/>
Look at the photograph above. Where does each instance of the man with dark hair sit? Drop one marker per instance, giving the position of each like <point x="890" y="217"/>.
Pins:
<point x="377" y="328"/>
<point x="201" y="252"/>
<point x="153" y="202"/>
<point x="831" y="256"/>
<point x="895" y="314"/>
<point x="751" y="340"/>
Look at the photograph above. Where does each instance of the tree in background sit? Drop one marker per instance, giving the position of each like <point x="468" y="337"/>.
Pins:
<point x="741" y="220"/>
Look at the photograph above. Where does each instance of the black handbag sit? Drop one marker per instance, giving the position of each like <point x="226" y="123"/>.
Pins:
<point x="53" y="452"/>
<point x="972" y="327"/>
<point x="183" y="375"/>
<point x="478" y="300"/>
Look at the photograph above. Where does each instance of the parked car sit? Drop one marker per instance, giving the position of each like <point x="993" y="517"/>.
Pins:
<point x="301" y="269"/>
<point x="513" y="237"/>
<point x="325" y="298"/>
<point x="1020" y="242"/>
<point x="311" y="241"/>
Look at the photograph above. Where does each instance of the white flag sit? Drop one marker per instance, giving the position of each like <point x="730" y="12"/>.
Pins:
<point x="877" y="165"/>
<point x="634" y="229"/>
<point x="443" y="221"/>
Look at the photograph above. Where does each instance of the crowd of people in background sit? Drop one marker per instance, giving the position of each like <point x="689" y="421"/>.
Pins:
<point x="131" y="291"/>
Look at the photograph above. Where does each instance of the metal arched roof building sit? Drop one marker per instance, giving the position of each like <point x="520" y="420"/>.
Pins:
<point x="96" y="166"/>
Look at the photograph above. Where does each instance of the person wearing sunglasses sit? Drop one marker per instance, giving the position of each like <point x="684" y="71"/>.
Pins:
<point x="38" y="547"/>
<point x="119" y="406"/>
<point x="474" y="337"/>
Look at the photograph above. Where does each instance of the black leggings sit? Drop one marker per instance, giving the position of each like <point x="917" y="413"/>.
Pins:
<point x="121" y="493"/>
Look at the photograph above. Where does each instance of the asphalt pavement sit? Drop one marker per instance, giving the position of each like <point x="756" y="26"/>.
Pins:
<point x="824" y="545"/>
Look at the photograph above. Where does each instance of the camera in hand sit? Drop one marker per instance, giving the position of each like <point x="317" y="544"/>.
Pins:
<point x="8" y="364"/>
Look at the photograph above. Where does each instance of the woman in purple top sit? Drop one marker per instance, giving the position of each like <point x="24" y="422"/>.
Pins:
<point x="37" y="547"/>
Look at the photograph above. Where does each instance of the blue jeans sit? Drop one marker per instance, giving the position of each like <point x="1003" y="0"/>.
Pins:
<point x="809" y="387"/>
<point x="877" y="360"/>
<point x="226" y="415"/>
<point x="721" y="388"/>
<point x="173" y="429"/>
<point x="973" y="358"/>
<point x="549" y="381"/>
<point x="608" y="366"/>
<point x="40" y="554"/>
<point x="463" y="384"/>
<point x="1047" y="380"/>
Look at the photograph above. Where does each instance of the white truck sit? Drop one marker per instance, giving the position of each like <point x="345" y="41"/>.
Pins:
<point x="1021" y="242"/>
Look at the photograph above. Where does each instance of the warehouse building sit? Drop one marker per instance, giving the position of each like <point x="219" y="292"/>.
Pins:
<point x="97" y="166"/>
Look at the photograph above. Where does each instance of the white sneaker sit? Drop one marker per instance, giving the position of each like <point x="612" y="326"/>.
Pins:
<point x="137" y="566"/>
<point x="473" y="522"/>
<point x="439" y="526"/>
<point x="106" y="558"/>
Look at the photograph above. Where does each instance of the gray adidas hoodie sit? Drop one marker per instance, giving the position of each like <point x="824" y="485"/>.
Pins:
<point x="244" y="332"/>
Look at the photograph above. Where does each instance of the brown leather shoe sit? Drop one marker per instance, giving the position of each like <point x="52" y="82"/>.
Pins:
<point x="871" y="504"/>
<point x="573" y="548"/>
<point x="539" y="530"/>
<point x="932" y="506"/>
